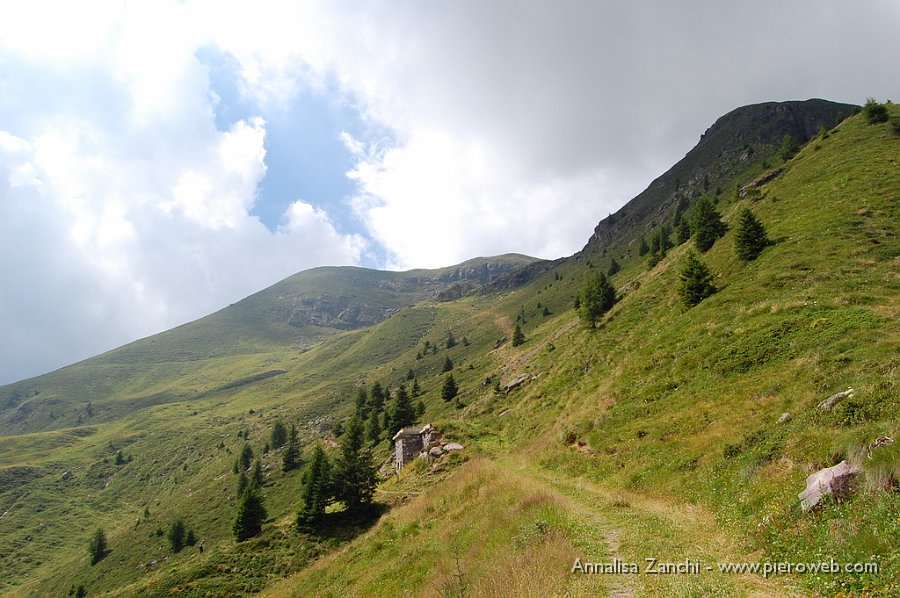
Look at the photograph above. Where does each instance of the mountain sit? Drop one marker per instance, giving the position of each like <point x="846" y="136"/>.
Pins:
<point x="737" y="144"/>
<point x="292" y="314"/>
<point x="658" y="433"/>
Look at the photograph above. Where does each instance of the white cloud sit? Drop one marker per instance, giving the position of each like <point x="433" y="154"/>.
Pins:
<point x="512" y="127"/>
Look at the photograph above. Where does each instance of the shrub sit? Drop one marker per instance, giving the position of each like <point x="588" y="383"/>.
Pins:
<point x="97" y="548"/>
<point x="706" y="224"/>
<point x="176" y="535"/>
<point x="751" y="237"/>
<point x="597" y="297"/>
<point x="696" y="281"/>
<point x="874" y="112"/>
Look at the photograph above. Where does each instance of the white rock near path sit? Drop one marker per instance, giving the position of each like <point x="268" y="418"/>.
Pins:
<point x="836" y="481"/>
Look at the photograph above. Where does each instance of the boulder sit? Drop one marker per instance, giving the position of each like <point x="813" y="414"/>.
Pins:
<point x="785" y="418"/>
<point x="517" y="381"/>
<point x="831" y="401"/>
<point x="837" y="481"/>
<point x="67" y="475"/>
<point x="452" y="446"/>
<point x="436" y="451"/>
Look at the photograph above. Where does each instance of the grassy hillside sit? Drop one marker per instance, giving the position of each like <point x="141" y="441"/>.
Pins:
<point x="654" y="435"/>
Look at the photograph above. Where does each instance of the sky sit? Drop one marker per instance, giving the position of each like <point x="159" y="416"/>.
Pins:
<point x="161" y="160"/>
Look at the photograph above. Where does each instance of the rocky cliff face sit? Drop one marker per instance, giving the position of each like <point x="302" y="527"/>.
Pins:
<point x="724" y="150"/>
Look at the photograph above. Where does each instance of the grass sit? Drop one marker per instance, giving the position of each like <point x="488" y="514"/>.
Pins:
<point x="654" y="435"/>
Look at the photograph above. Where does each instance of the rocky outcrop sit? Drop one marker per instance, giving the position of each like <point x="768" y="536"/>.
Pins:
<point x="837" y="481"/>
<point x="829" y="403"/>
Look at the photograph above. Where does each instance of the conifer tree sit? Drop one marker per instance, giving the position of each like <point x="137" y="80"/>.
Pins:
<point x="403" y="413"/>
<point x="420" y="410"/>
<point x="751" y="237"/>
<point x="789" y="147"/>
<point x="97" y="548"/>
<point x="242" y="484"/>
<point x="373" y="428"/>
<point x="597" y="297"/>
<point x="250" y="514"/>
<point x="279" y="435"/>
<point x="448" y="365"/>
<point x="257" y="474"/>
<point x="449" y="389"/>
<point x="416" y="389"/>
<point x="176" y="535"/>
<point x="518" y="336"/>
<point x="451" y="340"/>
<point x="706" y="224"/>
<point x="355" y="471"/>
<point x="289" y="460"/>
<point x="696" y="281"/>
<point x="377" y="397"/>
<point x="317" y="491"/>
<point x="643" y="249"/>
<point x="684" y="231"/>
<point x="614" y="267"/>
<point x="362" y="404"/>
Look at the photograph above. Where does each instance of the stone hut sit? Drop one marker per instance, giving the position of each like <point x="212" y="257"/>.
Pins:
<point x="409" y="442"/>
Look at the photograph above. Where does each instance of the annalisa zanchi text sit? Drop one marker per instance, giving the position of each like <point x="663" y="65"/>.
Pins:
<point x="652" y="566"/>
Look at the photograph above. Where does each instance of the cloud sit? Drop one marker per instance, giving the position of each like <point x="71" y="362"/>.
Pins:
<point x="519" y="125"/>
<point x="493" y="127"/>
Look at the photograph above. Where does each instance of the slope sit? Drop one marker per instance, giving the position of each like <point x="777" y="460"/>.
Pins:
<point x="654" y="435"/>
<point x="231" y="346"/>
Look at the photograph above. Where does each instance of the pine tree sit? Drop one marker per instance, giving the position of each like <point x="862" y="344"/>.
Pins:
<point x="449" y="389"/>
<point x="416" y="389"/>
<point x="317" y="491"/>
<point x="696" y="281"/>
<point x="257" y="474"/>
<point x="451" y="341"/>
<point x="789" y="147"/>
<point x="403" y="413"/>
<point x="684" y="231"/>
<point x="289" y="460"/>
<point x="190" y="538"/>
<point x="518" y="336"/>
<point x="597" y="297"/>
<point x="373" y="428"/>
<point x="420" y="410"/>
<point x="751" y="237"/>
<point x="176" y="535"/>
<point x="448" y="365"/>
<point x="706" y="224"/>
<point x="410" y="374"/>
<point x="250" y="514"/>
<point x="362" y="403"/>
<point x="97" y="548"/>
<point x="355" y="471"/>
<point x="614" y="267"/>
<point x="378" y="398"/>
<point x="243" y="482"/>
<point x="643" y="249"/>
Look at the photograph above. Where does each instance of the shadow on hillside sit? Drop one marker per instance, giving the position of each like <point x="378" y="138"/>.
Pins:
<point x="344" y="526"/>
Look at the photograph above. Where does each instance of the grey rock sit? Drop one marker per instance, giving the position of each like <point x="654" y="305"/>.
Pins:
<point x="785" y="418"/>
<point x="836" y="481"/>
<point x="831" y="401"/>
<point x="453" y="446"/>
<point x="517" y="381"/>
<point x="436" y="451"/>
